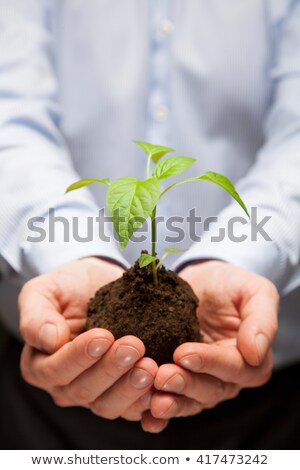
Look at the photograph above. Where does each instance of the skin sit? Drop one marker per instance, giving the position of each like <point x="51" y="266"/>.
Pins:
<point x="87" y="369"/>
<point x="238" y="317"/>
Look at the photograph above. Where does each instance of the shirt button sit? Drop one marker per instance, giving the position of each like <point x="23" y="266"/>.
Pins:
<point x="161" y="113"/>
<point x="166" y="27"/>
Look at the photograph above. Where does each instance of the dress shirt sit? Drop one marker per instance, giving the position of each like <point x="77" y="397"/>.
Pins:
<point x="216" y="80"/>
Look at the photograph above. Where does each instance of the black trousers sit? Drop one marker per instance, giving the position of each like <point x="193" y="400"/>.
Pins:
<point x="263" y="418"/>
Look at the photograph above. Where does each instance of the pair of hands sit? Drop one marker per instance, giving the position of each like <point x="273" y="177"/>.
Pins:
<point x="238" y="317"/>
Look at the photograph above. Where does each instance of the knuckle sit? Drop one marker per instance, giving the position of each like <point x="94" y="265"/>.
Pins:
<point x="273" y="291"/>
<point x="270" y="329"/>
<point x="104" y="412"/>
<point x="181" y="412"/>
<point x="131" y="415"/>
<point x="109" y="375"/>
<point x="59" y="401"/>
<point x="190" y="409"/>
<point x="176" y="408"/>
<point x="26" y="374"/>
<point x="45" y="374"/>
<point x="196" y="408"/>
<point x="76" y="349"/>
<point x="232" y="391"/>
<point x="258" y="380"/>
<point x="25" y="370"/>
<point x="144" y="402"/>
<point x="25" y="328"/>
<point x="60" y="379"/>
<point x="50" y="375"/>
<point x="80" y="394"/>
<point x="216" y="392"/>
<point x="208" y="406"/>
<point x="269" y="362"/>
<point x="25" y="290"/>
<point x="273" y="327"/>
<point x="264" y="379"/>
<point x="78" y="354"/>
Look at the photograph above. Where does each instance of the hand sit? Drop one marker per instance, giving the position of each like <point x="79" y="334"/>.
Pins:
<point x="238" y="319"/>
<point x="88" y="369"/>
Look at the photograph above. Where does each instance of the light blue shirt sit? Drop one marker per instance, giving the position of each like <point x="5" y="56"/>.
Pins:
<point x="216" y="80"/>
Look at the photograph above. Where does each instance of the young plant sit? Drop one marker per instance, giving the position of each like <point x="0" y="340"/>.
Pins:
<point x="131" y="201"/>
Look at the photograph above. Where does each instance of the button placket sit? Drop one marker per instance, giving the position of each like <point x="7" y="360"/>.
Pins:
<point x="166" y="27"/>
<point x="159" y="96"/>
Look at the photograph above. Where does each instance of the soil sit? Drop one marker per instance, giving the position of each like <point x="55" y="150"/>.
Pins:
<point x="163" y="316"/>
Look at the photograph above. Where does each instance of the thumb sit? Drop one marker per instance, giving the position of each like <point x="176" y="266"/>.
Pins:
<point x="259" y="325"/>
<point x="42" y="325"/>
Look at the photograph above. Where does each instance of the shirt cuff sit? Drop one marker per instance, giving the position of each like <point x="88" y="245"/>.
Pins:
<point x="243" y="249"/>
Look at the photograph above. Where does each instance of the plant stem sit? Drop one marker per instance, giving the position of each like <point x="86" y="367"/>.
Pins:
<point x="153" y="245"/>
<point x="148" y="166"/>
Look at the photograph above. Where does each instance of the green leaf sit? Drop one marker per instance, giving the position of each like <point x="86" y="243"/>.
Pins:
<point x="166" y="253"/>
<point x="173" y="250"/>
<point x="172" y="166"/>
<point x="218" y="179"/>
<point x="155" y="151"/>
<point x="82" y="183"/>
<point x="130" y="202"/>
<point x="146" y="259"/>
<point x="226" y="184"/>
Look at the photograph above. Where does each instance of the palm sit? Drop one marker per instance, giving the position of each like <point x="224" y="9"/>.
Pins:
<point x="68" y="289"/>
<point x="218" y="321"/>
<point x="223" y="294"/>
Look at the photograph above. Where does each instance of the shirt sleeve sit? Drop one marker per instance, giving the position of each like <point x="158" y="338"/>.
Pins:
<point x="35" y="165"/>
<point x="272" y="184"/>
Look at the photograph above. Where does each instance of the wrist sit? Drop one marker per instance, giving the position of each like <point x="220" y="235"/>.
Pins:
<point x="104" y="262"/>
<point x="194" y="265"/>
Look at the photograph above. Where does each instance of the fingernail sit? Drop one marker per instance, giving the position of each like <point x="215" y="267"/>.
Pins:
<point x="97" y="347"/>
<point x="126" y="356"/>
<point x="173" y="406"/>
<point x="192" y="362"/>
<point x="139" y="378"/>
<point x="48" y="337"/>
<point x="175" y="384"/>
<point x="262" y="344"/>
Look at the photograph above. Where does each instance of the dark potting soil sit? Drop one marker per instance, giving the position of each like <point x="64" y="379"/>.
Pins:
<point x="163" y="316"/>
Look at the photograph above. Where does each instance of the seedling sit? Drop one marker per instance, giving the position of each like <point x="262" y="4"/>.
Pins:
<point x="131" y="201"/>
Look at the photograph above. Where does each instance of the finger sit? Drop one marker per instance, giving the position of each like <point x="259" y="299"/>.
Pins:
<point x="167" y="406"/>
<point x="200" y="387"/>
<point x="121" y="357"/>
<point x="126" y="391"/>
<point x="71" y="360"/>
<point x="259" y="324"/>
<point x="153" y="425"/>
<point x="224" y="362"/>
<point x="41" y="324"/>
<point x="136" y="410"/>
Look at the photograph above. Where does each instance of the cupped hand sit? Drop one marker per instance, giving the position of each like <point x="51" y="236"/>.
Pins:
<point x="238" y="319"/>
<point x="76" y="368"/>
